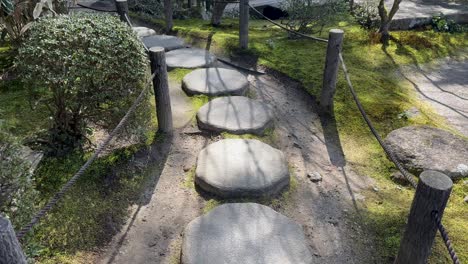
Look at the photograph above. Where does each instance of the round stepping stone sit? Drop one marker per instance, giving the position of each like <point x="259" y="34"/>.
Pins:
<point x="215" y="82"/>
<point x="246" y="233"/>
<point x="143" y="31"/>
<point x="165" y="41"/>
<point x="236" y="115"/>
<point x="241" y="168"/>
<point x="189" y="58"/>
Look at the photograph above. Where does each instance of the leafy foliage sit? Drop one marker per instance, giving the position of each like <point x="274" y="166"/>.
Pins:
<point x="86" y="69"/>
<point x="310" y="17"/>
<point x="441" y="23"/>
<point x="17" y="193"/>
<point x="367" y="15"/>
<point x="150" y="7"/>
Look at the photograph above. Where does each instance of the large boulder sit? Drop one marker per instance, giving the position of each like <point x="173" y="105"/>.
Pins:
<point x="421" y="148"/>
<point x="246" y="233"/>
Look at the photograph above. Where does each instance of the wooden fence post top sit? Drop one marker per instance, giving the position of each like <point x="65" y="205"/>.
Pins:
<point x="436" y="180"/>
<point x="336" y="31"/>
<point x="156" y="49"/>
<point x="121" y="1"/>
<point x="10" y="249"/>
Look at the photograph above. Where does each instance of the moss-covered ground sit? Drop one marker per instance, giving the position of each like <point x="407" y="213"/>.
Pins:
<point x="384" y="94"/>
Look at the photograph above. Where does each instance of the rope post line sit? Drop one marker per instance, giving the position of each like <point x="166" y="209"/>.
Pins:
<point x="244" y="24"/>
<point x="161" y="89"/>
<point x="10" y="248"/>
<point x="332" y="63"/>
<point x="432" y="194"/>
<point x="122" y="9"/>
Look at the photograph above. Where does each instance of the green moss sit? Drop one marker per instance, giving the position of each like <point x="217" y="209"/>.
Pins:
<point x="178" y="74"/>
<point x="199" y="101"/>
<point x="189" y="181"/>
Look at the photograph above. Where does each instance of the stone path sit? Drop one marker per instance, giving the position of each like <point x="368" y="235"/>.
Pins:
<point x="236" y="115"/>
<point x="444" y="85"/>
<point x="235" y="232"/>
<point x="215" y="82"/>
<point x="246" y="233"/>
<point x="240" y="168"/>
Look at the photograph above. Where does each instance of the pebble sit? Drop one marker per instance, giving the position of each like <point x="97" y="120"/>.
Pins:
<point x="314" y="176"/>
<point x="466" y="199"/>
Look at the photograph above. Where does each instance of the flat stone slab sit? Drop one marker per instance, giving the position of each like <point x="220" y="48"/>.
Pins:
<point x="246" y="233"/>
<point x="165" y="41"/>
<point x="215" y="82"/>
<point x="421" y="148"/>
<point x="241" y="168"/>
<point x="190" y="58"/>
<point x="236" y="115"/>
<point x="143" y="31"/>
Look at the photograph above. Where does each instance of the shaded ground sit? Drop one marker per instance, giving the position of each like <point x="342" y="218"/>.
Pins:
<point x="444" y="85"/>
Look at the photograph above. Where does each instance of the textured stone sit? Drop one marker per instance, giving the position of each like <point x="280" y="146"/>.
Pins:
<point x="236" y="115"/>
<point x="143" y="31"/>
<point x="421" y="148"/>
<point x="165" y="41"/>
<point x="215" y="82"/>
<point x="189" y="58"/>
<point x="240" y="168"/>
<point x="246" y="233"/>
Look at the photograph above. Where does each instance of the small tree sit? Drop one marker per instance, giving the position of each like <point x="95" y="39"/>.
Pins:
<point x="217" y="13"/>
<point x="86" y="69"/>
<point x="385" y="19"/>
<point x="168" y="13"/>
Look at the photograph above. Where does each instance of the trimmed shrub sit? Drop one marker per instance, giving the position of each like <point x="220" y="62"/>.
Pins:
<point x="87" y="69"/>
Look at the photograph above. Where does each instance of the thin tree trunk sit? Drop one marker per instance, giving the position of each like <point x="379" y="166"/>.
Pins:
<point x="168" y="13"/>
<point x="218" y="10"/>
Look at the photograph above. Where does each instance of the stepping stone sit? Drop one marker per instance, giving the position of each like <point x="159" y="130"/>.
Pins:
<point x="241" y="168"/>
<point x="165" y="41"/>
<point x="246" y="233"/>
<point x="143" y="31"/>
<point x="236" y="115"/>
<point x="215" y="82"/>
<point x="189" y="58"/>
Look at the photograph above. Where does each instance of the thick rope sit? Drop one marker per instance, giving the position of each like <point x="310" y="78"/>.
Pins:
<point x="392" y="157"/>
<point x="52" y="202"/>
<point x="285" y="28"/>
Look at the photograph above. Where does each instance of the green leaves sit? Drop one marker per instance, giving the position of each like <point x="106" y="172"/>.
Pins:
<point x="6" y="6"/>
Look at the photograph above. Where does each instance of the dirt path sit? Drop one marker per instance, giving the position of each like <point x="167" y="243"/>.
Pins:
<point x="328" y="210"/>
<point x="444" y="85"/>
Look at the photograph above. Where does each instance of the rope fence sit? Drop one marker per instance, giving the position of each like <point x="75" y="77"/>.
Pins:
<point x="411" y="179"/>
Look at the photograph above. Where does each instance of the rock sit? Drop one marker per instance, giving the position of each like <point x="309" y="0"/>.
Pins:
<point x="421" y="148"/>
<point x="314" y="176"/>
<point x="240" y="168"/>
<point x="143" y="31"/>
<point x="235" y="114"/>
<point x="189" y="58"/>
<point x="410" y="113"/>
<point x="246" y="233"/>
<point x="399" y="178"/>
<point x="31" y="157"/>
<point x="466" y="199"/>
<point x="165" y="41"/>
<point x="215" y="82"/>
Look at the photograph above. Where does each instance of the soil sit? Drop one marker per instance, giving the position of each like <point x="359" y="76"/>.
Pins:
<point x="329" y="210"/>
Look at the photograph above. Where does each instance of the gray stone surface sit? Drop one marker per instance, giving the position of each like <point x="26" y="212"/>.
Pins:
<point x="240" y="168"/>
<point x="215" y="82"/>
<point x="246" y="233"/>
<point x="165" y="41"/>
<point x="143" y="31"/>
<point x="189" y="58"/>
<point x="235" y="114"/>
<point x="421" y="148"/>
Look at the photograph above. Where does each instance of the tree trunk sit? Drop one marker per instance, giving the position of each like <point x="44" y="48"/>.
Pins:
<point x="168" y="13"/>
<point x="218" y="10"/>
<point x="351" y="6"/>
<point x="386" y="18"/>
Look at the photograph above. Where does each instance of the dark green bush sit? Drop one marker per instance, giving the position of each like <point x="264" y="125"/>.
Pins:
<point x="441" y="23"/>
<point x="86" y="68"/>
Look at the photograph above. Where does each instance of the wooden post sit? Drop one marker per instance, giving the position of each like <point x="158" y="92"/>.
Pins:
<point x="122" y="9"/>
<point x="332" y="64"/>
<point x="431" y="195"/>
<point x="161" y="89"/>
<point x="10" y="248"/>
<point x="244" y="24"/>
